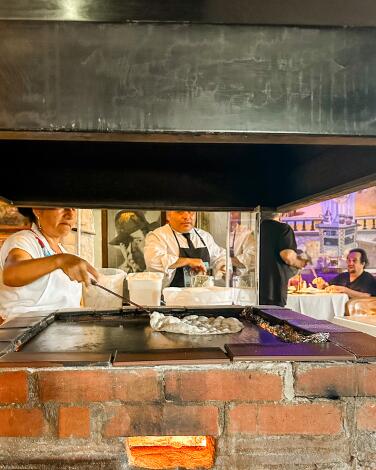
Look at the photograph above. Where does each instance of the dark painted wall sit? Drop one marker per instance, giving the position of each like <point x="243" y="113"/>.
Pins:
<point x="154" y="77"/>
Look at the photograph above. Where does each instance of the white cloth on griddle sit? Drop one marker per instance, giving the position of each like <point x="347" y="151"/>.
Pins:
<point x="195" y="324"/>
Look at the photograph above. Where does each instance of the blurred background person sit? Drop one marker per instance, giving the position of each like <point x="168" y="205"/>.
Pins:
<point x="242" y="246"/>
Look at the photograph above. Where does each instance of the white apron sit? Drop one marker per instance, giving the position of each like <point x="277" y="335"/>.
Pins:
<point x="50" y="292"/>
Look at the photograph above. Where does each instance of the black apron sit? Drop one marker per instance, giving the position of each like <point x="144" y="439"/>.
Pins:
<point x="202" y="253"/>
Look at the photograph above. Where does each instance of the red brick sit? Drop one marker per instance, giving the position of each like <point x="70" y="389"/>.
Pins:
<point x="74" y="422"/>
<point x="311" y="419"/>
<point x="242" y="418"/>
<point x="128" y="420"/>
<point x="13" y="387"/>
<point x="21" y="422"/>
<point x="223" y="385"/>
<point x="152" y="420"/>
<point x="366" y="380"/>
<point x="366" y="417"/>
<point x="190" y="420"/>
<point x="331" y="381"/>
<point x="89" y="386"/>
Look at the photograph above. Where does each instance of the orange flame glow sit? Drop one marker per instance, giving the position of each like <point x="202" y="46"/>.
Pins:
<point x="156" y="452"/>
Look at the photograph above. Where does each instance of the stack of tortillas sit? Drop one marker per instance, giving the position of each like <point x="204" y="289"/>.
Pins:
<point x="195" y="324"/>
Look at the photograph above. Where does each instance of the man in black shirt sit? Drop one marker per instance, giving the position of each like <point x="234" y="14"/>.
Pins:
<point x="278" y="260"/>
<point x="356" y="282"/>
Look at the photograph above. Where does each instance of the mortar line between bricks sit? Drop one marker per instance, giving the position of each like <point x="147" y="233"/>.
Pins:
<point x="289" y="384"/>
<point x="223" y="422"/>
<point x="96" y="412"/>
<point x="34" y="389"/>
<point x="51" y="414"/>
<point x="161" y="374"/>
<point x="354" y="447"/>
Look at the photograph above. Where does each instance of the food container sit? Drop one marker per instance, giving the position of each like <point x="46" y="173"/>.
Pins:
<point x="99" y="299"/>
<point x="244" y="296"/>
<point x="145" y="288"/>
<point x="244" y="281"/>
<point x="244" y="292"/>
<point x="187" y="296"/>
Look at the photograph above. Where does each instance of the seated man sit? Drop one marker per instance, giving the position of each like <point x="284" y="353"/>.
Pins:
<point x="178" y="245"/>
<point x="356" y="282"/>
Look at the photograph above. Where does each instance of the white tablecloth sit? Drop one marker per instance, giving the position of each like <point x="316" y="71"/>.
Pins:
<point x="319" y="306"/>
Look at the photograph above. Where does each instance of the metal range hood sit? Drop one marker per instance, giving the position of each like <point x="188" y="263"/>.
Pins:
<point x="152" y="105"/>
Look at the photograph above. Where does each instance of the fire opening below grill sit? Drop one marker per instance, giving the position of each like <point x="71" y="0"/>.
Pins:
<point x="156" y="452"/>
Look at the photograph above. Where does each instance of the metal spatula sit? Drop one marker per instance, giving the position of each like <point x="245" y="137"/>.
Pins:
<point x="125" y="299"/>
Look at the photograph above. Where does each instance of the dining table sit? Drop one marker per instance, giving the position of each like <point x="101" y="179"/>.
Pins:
<point x="320" y="305"/>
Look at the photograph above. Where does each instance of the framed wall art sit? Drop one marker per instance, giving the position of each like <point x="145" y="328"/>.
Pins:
<point x="124" y="233"/>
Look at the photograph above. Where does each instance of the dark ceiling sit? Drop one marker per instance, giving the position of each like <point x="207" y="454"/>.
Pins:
<point x="181" y="175"/>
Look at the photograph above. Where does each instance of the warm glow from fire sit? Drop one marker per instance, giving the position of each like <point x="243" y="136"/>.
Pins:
<point x="156" y="452"/>
<point x="173" y="441"/>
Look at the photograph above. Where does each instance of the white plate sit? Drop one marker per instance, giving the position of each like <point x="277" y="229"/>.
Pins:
<point x="310" y="290"/>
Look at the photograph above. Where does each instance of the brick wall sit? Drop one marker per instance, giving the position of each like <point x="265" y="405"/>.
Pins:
<point x="263" y="415"/>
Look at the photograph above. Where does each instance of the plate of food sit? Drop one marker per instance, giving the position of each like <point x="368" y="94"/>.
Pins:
<point x="310" y="290"/>
<point x="319" y="282"/>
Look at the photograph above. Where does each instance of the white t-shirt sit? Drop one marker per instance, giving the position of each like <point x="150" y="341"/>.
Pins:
<point x="243" y="243"/>
<point x="161" y="250"/>
<point x="52" y="291"/>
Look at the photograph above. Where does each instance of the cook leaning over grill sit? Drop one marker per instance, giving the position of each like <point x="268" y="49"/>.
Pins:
<point x="279" y="259"/>
<point x="36" y="271"/>
<point x="178" y="245"/>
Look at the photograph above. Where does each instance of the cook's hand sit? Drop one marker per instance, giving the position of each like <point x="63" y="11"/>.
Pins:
<point x="320" y="283"/>
<point x="76" y="268"/>
<point x="336" y="289"/>
<point x="197" y="264"/>
<point x="301" y="262"/>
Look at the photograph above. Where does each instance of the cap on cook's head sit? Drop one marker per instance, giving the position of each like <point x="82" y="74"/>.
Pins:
<point x="126" y="223"/>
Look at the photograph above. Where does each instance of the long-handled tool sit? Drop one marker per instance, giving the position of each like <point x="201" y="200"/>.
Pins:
<point x="125" y="299"/>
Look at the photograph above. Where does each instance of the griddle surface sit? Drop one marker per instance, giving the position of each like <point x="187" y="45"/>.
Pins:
<point x="132" y="336"/>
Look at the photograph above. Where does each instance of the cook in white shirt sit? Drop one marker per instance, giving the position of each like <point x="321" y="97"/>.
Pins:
<point x="36" y="272"/>
<point x="167" y="249"/>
